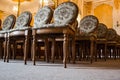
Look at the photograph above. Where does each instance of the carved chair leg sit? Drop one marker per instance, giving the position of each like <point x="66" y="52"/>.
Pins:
<point x="96" y="52"/>
<point x="105" y="51"/>
<point x="14" y="49"/>
<point x="95" y="49"/>
<point x="26" y="50"/>
<point x="5" y="47"/>
<point x="33" y="49"/>
<point x="73" y="49"/>
<point x="69" y="50"/>
<point x="8" y="49"/>
<point x="1" y="51"/>
<point x="53" y="49"/>
<point x="47" y="49"/>
<point x="65" y="50"/>
<point x="115" y="52"/>
<point x="91" y="51"/>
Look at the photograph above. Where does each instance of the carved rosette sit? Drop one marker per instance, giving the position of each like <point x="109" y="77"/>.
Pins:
<point x="101" y="30"/>
<point x="65" y="13"/>
<point x="43" y="16"/>
<point x="88" y="24"/>
<point x="111" y="34"/>
<point x="24" y="19"/>
<point x="9" y="22"/>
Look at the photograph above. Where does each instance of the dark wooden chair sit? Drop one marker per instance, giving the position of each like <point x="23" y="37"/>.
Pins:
<point x="43" y="17"/>
<point x="0" y="44"/>
<point x="118" y="46"/>
<point x="21" y="33"/>
<point x="87" y="37"/>
<point x="111" y="43"/>
<point x="101" y="41"/>
<point x="8" y="24"/>
<point x="64" y="16"/>
<point x="0" y="23"/>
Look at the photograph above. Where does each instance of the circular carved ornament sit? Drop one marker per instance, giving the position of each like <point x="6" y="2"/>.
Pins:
<point x="101" y="30"/>
<point x="24" y="19"/>
<point x="43" y="16"/>
<point x="66" y="13"/>
<point x="88" y="24"/>
<point x="9" y="22"/>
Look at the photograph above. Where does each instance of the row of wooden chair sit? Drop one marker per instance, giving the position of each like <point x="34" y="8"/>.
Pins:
<point x="57" y="31"/>
<point x="64" y="16"/>
<point x="103" y="43"/>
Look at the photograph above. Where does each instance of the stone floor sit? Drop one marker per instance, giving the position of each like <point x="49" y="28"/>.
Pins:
<point x="82" y="70"/>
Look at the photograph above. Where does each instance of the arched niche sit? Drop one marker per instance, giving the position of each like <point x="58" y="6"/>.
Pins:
<point x="104" y="12"/>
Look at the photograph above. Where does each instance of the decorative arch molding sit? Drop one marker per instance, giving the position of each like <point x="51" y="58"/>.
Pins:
<point x="107" y="2"/>
<point x="117" y="4"/>
<point x="104" y="12"/>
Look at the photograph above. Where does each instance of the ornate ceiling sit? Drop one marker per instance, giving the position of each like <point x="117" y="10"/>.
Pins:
<point x="10" y="6"/>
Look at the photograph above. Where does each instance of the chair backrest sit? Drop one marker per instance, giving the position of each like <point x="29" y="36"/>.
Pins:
<point x="101" y="30"/>
<point x="9" y="22"/>
<point x="43" y="16"/>
<point x="111" y="34"/>
<point x="118" y="38"/>
<point x="88" y="24"/>
<point x="23" y="20"/>
<point x="65" y="13"/>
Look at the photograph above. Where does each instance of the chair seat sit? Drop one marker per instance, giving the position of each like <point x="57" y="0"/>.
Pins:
<point x="53" y="25"/>
<point x="55" y="30"/>
<point x="2" y="34"/>
<point x="111" y="42"/>
<point x="85" y="37"/>
<point x="20" y="29"/>
<point x="17" y="33"/>
<point x="118" y="44"/>
<point x="101" y="40"/>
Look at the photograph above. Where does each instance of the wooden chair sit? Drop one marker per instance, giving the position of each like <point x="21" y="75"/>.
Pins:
<point x="118" y="46"/>
<point x="43" y="17"/>
<point x="20" y="33"/>
<point x="101" y="42"/>
<point x="86" y="37"/>
<point x="0" y="44"/>
<point x="111" y="43"/>
<point x="64" y="16"/>
<point x="8" y="24"/>
<point x="0" y="23"/>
